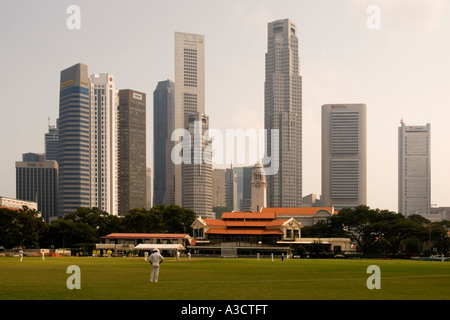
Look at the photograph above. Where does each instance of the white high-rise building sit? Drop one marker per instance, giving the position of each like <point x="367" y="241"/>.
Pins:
<point x="189" y="88"/>
<point x="197" y="176"/>
<point x="283" y="112"/>
<point x="231" y="188"/>
<point x="104" y="143"/>
<point x="344" y="155"/>
<point x="414" y="169"/>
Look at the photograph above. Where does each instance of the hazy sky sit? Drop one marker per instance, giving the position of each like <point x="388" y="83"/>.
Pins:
<point x="399" y="71"/>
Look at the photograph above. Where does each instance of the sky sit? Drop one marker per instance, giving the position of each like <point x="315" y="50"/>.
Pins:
<point x="399" y="70"/>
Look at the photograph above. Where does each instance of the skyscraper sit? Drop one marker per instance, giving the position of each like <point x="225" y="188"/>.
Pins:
<point x="51" y="142"/>
<point x="414" y="169"/>
<point x="163" y="126"/>
<point x="244" y="187"/>
<point x="104" y="143"/>
<point x="74" y="140"/>
<point x="231" y="189"/>
<point x="132" y="151"/>
<point x="148" y="191"/>
<point x="219" y="188"/>
<point x="283" y="112"/>
<point x="189" y="88"/>
<point x="38" y="182"/>
<point x="344" y="155"/>
<point x="197" y="181"/>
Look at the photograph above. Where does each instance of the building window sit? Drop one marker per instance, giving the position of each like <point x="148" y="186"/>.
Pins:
<point x="288" y="233"/>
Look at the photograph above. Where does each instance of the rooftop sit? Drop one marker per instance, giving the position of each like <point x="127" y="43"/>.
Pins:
<point x="297" y="211"/>
<point x="146" y="236"/>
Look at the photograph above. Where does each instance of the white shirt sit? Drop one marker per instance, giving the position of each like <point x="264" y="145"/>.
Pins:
<point x="156" y="258"/>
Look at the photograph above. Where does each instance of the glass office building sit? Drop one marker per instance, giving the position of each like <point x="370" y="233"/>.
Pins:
<point x="74" y="145"/>
<point x="163" y="126"/>
<point x="132" y="150"/>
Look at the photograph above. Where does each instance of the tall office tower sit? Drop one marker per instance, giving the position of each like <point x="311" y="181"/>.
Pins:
<point x="244" y="187"/>
<point x="132" y="151"/>
<point x="219" y="188"/>
<point x="51" y="142"/>
<point x="231" y="189"/>
<point x="414" y="169"/>
<point x="38" y="181"/>
<point x="189" y="87"/>
<point x="344" y="155"/>
<point x="74" y="140"/>
<point x="104" y="143"/>
<point x="163" y="126"/>
<point x="197" y="175"/>
<point x="148" y="196"/>
<point x="283" y="112"/>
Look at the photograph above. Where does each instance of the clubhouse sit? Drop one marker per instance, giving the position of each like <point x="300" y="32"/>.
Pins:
<point x="271" y="231"/>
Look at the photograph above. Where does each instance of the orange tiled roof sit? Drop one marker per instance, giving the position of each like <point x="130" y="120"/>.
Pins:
<point x="242" y="223"/>
<point x="9" y="208"/>
<point x="277" y="222"/>
<point x="214" y="222"/>
<point x="244" y="231"/>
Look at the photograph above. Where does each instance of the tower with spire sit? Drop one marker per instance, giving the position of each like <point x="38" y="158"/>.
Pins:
<point x="258" y="188"/>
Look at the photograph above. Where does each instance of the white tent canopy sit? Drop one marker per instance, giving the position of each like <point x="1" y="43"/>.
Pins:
<point x="148" y="246"/>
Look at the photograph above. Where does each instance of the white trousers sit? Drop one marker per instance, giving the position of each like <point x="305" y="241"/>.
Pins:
<point x="154" y="273"/>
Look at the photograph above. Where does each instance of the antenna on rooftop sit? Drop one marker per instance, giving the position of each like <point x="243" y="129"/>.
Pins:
<point x="49" y="125"/>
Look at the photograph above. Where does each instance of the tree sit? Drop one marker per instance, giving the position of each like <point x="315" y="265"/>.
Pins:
<point x="159" y="219"/>
<point x="20" y="227"/>
<point x="354" y="221"/>
<point x="378" y="230"/>
<point x="69" y="234"/>
<point x="438" y="234"/>
<point x="177" y="219"/>
<point x="144" y="221"/>
<point x="391" y="230"/>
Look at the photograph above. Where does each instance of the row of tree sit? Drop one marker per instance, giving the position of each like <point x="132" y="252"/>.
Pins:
<point x="86" y="226"/>
<point x="377" y="231"/>
<point x="372" y="230"/>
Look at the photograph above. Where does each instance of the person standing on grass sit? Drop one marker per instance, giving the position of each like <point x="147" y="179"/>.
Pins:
<point x="21" y="255"/>
<point x="155" y="260"/>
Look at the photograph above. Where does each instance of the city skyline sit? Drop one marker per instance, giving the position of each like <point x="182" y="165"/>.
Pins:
<point x="398" y="72"/>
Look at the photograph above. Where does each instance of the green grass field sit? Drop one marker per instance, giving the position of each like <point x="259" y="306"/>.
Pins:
<point x="222" y="279"/>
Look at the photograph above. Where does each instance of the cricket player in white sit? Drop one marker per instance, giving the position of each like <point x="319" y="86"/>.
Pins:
<point x="155" y="259"/>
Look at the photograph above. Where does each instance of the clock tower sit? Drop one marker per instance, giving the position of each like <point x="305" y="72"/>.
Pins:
<point x="259" y="188"/>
